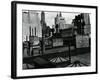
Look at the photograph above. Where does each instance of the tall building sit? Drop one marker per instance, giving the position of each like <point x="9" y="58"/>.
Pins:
<point x="82" y="24"/>
<point x="43" y="23"/>
<point x="60" y="21"/>
<point x="45" y="28"/>
<point x="82" y="30"/>
<point x="86" y="18"/>
<point x="87" y="27"/>
<point x="43" y="16"/>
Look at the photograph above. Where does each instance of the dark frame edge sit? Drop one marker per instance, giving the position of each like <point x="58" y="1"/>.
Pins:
<point x="54" y="4"/>
<point x="97" y="39"/>
<point x="56" y="75"/>
<point x="13" y="40"/>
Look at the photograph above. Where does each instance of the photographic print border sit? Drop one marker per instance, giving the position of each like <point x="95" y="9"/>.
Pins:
<point x="14" y="38"/>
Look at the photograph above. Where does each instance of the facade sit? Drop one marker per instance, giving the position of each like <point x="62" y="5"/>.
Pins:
<point x="57" y="42"/>
<point x="87" y="27"/>
<point x="33" y="39"/>
<point x="82" y="38"/>
<point x="82" y="41"/>
<point x="61" y="31"/>
<point x="26" y="48"/>
<point x="31" y="19"/>
<point x="60" y="21"/>
<point x="67" y="32"/>
<point x="67" y="26"/>
<point x="45" y="29"/>
<point x="86" y="17"/>
<point x="82" y="24"/>
<point x="43" y="23"/>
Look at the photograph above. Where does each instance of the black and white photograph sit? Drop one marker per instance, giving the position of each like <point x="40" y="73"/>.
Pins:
<point x="53" y="39"/>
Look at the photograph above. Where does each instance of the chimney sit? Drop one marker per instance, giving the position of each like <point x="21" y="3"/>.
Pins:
<point x="30" y="30"/>
<point x="26" y="38"/>
<point x="60" y="14"/>
<point x="35" y="31"/>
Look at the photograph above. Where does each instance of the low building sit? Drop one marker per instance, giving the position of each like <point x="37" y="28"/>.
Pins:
<point x="57" y="42"/>
<point x="67" y="32"/>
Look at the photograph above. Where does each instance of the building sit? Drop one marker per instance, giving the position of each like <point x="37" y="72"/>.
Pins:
<point x="69" y="32"/>
<point x="82" y="24"/>
<point x="82" y="30"/>
<point x="31" y="18"/>
<point x="67" y="26"/>
<point x="43" y="23"/>
<point x="26" y="47"/>
<point x="60" y="21"/>
<point x="32" y="43"/>
<point x="87" y="27"/>
<point x="57" y="42"/>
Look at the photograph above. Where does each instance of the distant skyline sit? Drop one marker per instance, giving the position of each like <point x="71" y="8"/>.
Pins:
<point x="33" y="20"/>
<point x="50" y="16"/>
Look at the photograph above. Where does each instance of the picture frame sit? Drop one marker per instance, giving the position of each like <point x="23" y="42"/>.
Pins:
<point x="47" y="40"/>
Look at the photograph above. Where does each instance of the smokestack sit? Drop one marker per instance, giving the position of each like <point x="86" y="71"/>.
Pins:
<point x="30" y="30"/>
<point x="26" y="38"/>
<point x="35" y="31"/>
<point x="60" y="14"/>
